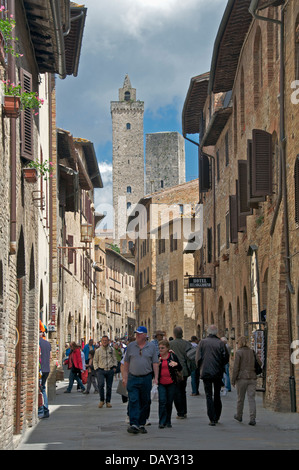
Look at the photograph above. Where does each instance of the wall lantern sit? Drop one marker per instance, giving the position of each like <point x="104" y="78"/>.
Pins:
<point x="86" y="233"/>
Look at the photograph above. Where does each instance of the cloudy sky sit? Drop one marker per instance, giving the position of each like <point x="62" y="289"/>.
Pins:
<point x="161" y="44"/>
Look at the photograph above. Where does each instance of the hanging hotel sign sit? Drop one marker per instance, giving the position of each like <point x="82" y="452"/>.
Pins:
<point x="199" y="282"/>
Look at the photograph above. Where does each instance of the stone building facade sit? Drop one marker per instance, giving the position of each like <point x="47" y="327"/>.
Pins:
<point x="165" y="161"/>
<point x="127" y="156"/>
<point x="248" y="150"/>
<point x="25" y="207"/>
<point x="120" y="296"/>
<point x="163" y="230"/>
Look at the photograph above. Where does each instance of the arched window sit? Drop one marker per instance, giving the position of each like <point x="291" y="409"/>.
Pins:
<point x="128" y="205"/>
<point x="257" y="66"/>
<point x="129" y="189"/>
<point x="128" y="126"/>
<point x="127" y="96"/>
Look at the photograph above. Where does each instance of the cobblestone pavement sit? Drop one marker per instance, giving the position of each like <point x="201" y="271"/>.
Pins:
<point x="76" y="423"/>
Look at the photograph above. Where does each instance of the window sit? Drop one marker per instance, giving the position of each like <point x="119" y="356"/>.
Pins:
<point x="218" y="240"/>
<point x="233" y="227"/>
<point x="226" y="150"/>
<point x="173" y="290"/>
<point x="26" y="119"/>
<point x="218" y="167"/>
<point x="227" y="231"/>
<point x="127" y="96"/>
<point x="162" y="184"/>
<point x="173" y="242"/>
<point x="260" y="164"/>
<point x="257" y="66"/>
<point x="242" y="101"/>
<point x="128" y="205"/>
<point x="128" y="126"/>
<point x="129" y="189"/>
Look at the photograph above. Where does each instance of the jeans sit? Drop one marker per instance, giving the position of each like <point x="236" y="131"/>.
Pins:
<point x="74" y="375"/>
<point x="105" y="375"/>
<point x="139" y="391"/>
<point x="166" y="397"/>
<point x="214" y="405"/>
<point x="195" y="381"/>
<point x="92" y="379"/>
<point x="226" y="378"/>
<point x="180" y="399"/>
<point x="45" y="376"/>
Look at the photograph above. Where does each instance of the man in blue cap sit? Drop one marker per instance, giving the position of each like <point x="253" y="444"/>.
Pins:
<point x="141" y="362"/>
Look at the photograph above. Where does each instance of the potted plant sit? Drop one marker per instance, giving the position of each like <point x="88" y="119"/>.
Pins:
<point x="12" y="100"/>
<point x="35" y="169"/>
<point x="15" y="99"/>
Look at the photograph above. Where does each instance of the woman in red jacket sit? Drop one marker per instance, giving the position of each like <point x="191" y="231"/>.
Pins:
<point x="75" y="366"/>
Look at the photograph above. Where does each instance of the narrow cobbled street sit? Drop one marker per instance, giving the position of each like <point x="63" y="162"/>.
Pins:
<point x="76" y="423"/>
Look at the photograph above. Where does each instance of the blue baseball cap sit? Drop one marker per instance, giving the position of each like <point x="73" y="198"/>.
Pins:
<point x="141" y="329"/>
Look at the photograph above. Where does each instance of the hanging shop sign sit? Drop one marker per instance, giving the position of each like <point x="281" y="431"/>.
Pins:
<point x="199" y="282"/>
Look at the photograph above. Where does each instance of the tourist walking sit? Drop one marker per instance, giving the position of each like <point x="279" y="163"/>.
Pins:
<point x="195" y="379"/>
<point x="105" y="364"/>
<point x="45" y="360"/>
<point x="244" y="378"/>
<point x="180" y="347"/>
<point x="92" y="376"/>
<point x="167" y="383"/>
<point x="211" y="357"/>
<point x="75" y="366"/>
<point x="141" y="362"/>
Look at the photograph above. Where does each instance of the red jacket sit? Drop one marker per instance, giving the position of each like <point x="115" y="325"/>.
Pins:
<point x="75" y="360"/>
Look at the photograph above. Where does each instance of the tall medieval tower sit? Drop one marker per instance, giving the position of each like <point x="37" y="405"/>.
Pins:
<point x="128" y="156"/>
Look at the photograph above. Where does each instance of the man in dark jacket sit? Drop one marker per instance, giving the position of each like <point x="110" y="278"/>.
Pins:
<point x="211" y="357"/>
<point x="180" y="347"/>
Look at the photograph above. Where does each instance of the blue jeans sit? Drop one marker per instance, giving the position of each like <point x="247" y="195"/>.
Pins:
<point x="108" y="376"/>
<point x="166" y="397"/>
<point x="74" y="375"/>
<point x="139" y="391"/>
<point x="226" y="378"/>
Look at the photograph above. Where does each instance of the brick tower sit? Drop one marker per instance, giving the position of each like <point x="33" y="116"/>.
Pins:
<point x="128" y="156"/>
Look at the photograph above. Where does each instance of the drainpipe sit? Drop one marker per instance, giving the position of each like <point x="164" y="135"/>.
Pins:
<point x="13" y="150"/>
<point x="55" y="6"/>
<point x="290" y="288"/>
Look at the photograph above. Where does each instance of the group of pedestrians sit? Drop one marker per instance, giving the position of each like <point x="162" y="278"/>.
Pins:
<point x="166" y="364"/>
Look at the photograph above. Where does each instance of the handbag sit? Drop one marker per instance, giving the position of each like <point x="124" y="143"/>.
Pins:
<point x="155" y="393"/>
<point x="258" y="369"/>
<point x="121" y="390"/>
<point x="178" y="376"/>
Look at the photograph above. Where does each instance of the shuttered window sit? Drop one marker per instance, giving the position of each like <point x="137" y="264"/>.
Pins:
<point x="70" y="242"/>
<point x="261" y="164"/>
<point x="241" y="218"/>
<point x="26" y="119"/>
<point x="233" y="214"/>
<point x="209" y="245"/>
<point x="243" y="206"/>
<point x="204" y="173"/>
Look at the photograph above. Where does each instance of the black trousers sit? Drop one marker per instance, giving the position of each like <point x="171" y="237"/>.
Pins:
<point x="214" y="405"/>
<point x="180" y="399"/>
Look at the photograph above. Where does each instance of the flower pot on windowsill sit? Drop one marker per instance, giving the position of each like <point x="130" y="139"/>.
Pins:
<point x="30" y="175"/>
<point x="12" y="106"/>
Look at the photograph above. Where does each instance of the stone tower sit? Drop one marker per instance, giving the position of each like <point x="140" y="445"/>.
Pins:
<point x="165" y="161"/>
<point x="128" y="156"/>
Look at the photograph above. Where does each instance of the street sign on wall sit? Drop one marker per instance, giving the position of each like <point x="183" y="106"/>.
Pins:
<point x="199" y="282"/>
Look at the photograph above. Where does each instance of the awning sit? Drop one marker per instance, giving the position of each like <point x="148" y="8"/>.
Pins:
<point x="194" y="104"/>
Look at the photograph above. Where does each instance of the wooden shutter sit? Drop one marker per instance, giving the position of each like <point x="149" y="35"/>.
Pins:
<point x="241" y="218"/>
<point x="252" y="201"/>
<point x="261" y="164"/>
<point x="26" y="119"/>
<point x="233" y="222"/>
<point x="204" y="174"/>
<point x="243" y="206"/>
